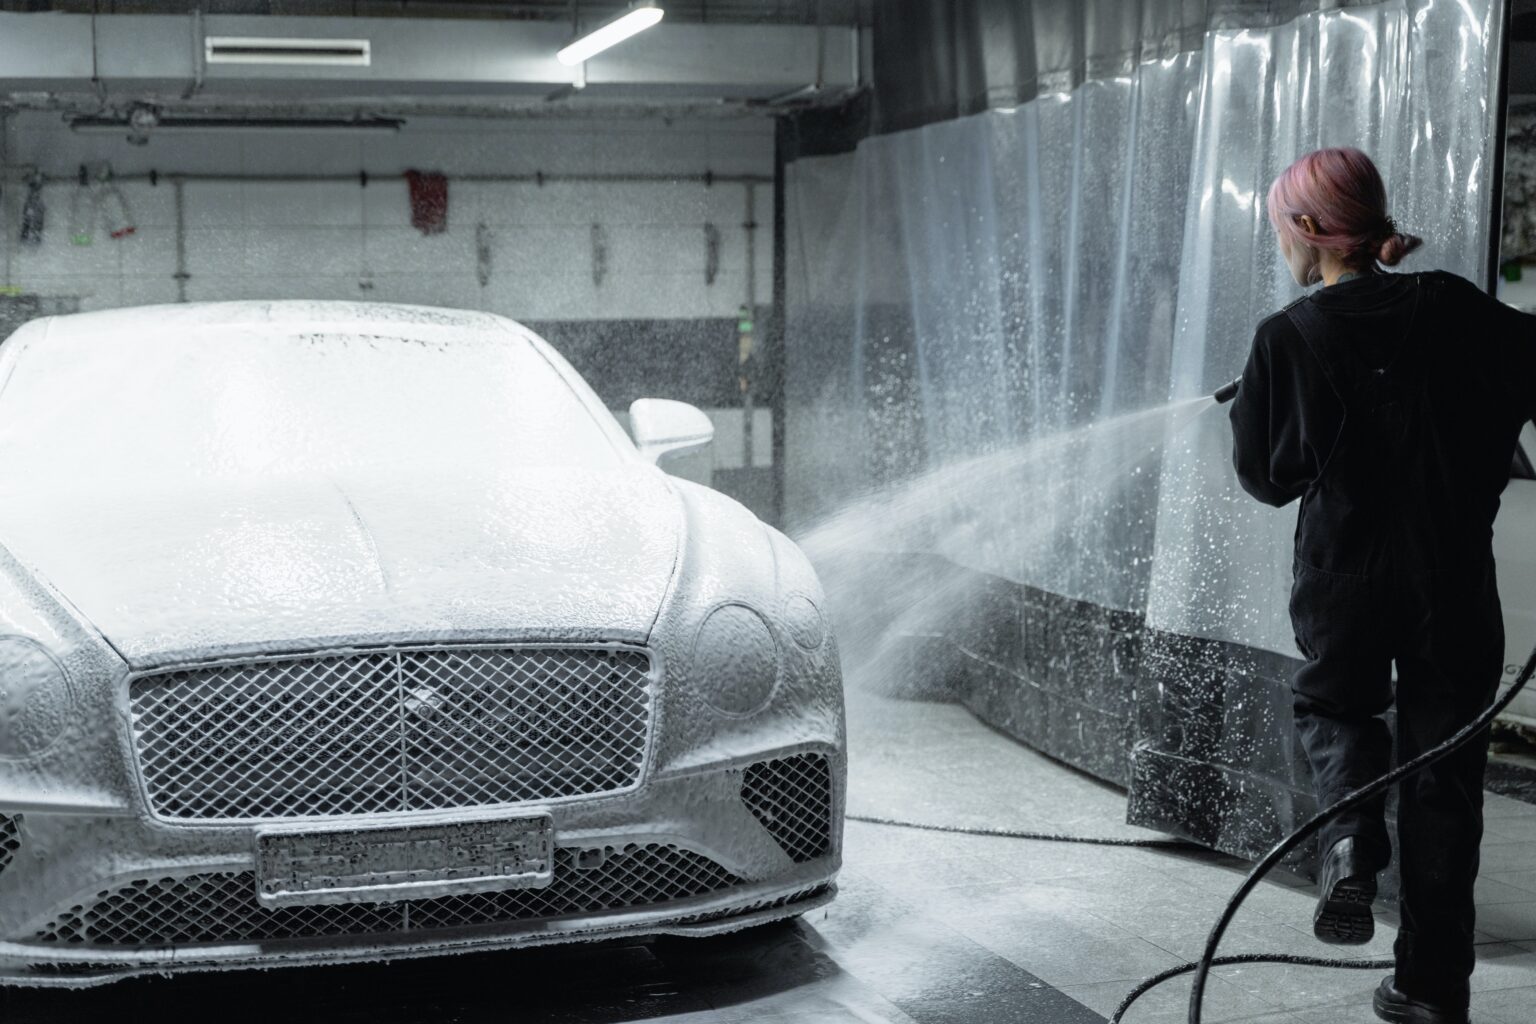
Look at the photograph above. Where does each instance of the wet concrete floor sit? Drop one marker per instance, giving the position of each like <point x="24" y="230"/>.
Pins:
<point x="929" y="928"/>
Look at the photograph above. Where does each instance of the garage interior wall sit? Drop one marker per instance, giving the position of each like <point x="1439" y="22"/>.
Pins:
<point x="1000" y="324"/>
<point x="667" y="294"/>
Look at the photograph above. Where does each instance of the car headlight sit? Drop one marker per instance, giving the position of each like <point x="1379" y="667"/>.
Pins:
<point x="736" y="660"/>
<point x="34" y="697"/>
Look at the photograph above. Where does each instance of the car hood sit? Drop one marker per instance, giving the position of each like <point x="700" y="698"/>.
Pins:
<point x="546" y="554"/>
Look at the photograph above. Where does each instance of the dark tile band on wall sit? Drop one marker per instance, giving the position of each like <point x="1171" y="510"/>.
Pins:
<point x="1199" y="732"/>
<point x="1217" y="759"/>
<point x="691" y="361"/>
<point x="688" y="360"/>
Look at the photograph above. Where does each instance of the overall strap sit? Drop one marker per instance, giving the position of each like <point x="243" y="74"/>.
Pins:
<point x="1350" y="375"/>
<point x="1379" y="402"/>
<point x="1313" y="328"/>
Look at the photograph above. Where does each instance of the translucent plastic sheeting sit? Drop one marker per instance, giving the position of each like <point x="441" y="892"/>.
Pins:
<point x="983" y="311"/>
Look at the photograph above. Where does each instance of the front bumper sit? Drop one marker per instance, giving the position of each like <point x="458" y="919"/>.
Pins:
<point x="87" y="900"/>
<point x="71" y="968"/>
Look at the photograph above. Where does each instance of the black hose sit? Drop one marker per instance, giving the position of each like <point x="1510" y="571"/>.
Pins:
<point x="1154" y="843"/>
<point x="1247" y="958"/>
<point x="1168" y="844"/>
<point x="1355" y="799"/>
<point x="1202" y="968"/>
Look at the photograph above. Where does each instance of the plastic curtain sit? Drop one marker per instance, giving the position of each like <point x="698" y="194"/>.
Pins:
<point x="981" y="311"/>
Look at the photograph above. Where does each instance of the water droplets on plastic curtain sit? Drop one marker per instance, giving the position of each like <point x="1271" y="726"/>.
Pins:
<point x="981" y="310"/>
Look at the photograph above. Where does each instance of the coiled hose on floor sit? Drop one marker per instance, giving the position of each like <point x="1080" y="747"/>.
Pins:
<point x="1202" y="968"/>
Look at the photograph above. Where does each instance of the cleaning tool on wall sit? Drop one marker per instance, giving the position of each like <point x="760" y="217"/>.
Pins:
<point x="98" y="202"/>
<point x="429" y="201"/>
<point x="113" y="205"/>
<point x="82" y="210"/>
<point x="33" y="212"/>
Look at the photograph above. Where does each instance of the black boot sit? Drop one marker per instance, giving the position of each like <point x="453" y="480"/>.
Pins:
<point x="1392" y="1005"/>
<point x="1346" y="884"/>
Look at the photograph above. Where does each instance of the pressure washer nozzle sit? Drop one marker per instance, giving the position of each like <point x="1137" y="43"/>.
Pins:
<point x="1227" y="392"/>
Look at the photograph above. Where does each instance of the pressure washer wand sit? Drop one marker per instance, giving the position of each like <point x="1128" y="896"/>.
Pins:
<point x="1227" y="392"/>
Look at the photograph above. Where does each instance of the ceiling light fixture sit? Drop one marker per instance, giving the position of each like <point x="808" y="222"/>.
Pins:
<point x="265" y="50"/>
<point x="636" y="19"/>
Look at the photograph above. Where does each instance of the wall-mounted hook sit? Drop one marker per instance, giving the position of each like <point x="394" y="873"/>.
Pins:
<point x="483" y="241"/>
<point x="711" y="253"/>
<point x="599" y="254"/>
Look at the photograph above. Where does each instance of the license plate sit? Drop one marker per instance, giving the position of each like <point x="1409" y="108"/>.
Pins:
<point x="380" y="864"/>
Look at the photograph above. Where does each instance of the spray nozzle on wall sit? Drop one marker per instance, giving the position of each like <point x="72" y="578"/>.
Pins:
<point x="1227" y="392"/>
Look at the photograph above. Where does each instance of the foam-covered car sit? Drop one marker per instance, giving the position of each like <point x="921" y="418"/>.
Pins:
<point x="334" y="632"/>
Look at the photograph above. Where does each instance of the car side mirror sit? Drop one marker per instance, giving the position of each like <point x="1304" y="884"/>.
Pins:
<point x="665" y="430"/>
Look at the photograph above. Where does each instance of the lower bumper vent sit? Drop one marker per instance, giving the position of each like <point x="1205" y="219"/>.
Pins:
<point x="10" y="840"/>
<point x="791" y="797"/>
<point x="222" y="907"/>
<point x="778" y="903"/>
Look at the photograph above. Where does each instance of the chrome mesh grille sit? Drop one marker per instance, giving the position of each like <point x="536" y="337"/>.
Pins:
<point x="398" y="730"/>
<point x="791" y="797"/>
<point x="10" y="839"/>
<point x="222" y="907"/>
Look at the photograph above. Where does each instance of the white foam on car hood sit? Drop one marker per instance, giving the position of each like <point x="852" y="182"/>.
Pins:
<point x="202" y="479"/>
<point x="541" y="552"/>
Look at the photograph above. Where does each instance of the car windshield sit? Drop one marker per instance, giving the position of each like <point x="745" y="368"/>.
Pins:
<point x="238" y="404"/>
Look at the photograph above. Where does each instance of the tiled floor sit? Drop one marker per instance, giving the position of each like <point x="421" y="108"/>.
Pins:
<point x="929" y="928"/>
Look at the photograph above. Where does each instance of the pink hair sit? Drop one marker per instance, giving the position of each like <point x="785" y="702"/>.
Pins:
<point x="1342" y="191"/>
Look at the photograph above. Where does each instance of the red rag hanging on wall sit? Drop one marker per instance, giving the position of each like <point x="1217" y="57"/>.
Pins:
<point x="429" y="201"/>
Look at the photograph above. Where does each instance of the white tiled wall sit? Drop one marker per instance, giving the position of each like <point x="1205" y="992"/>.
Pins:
<point x="341" y="240"/>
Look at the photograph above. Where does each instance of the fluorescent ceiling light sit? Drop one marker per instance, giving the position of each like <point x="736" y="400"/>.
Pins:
<point x="612" y="32"/>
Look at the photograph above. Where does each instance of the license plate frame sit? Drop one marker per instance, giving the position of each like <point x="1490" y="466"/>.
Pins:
<point x="301" y="865"/>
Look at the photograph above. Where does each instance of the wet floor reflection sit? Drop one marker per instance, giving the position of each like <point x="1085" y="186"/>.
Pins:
<point x="595" y="983"/>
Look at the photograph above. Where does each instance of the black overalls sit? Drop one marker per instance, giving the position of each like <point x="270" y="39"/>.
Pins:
<point x="1391" y="404"/>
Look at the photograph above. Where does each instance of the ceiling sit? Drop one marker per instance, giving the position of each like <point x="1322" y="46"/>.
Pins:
<point x="794" y="12"/>
<point x="163" y="67"/>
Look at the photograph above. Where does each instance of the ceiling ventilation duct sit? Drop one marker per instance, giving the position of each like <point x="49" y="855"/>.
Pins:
<point x="262" y="50"/>
<point x="280" y="66"/>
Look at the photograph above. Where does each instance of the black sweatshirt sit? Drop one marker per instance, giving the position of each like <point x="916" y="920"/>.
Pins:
<point x="1396" y="420"/>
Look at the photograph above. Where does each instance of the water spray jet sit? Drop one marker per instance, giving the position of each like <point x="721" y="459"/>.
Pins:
<point x="1129" y="437"/>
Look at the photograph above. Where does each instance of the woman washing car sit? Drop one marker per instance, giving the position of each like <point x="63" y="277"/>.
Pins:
<point x="1390" y="405"/>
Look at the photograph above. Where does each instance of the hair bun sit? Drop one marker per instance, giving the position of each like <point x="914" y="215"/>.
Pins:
<point x="1396" y="247"/>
